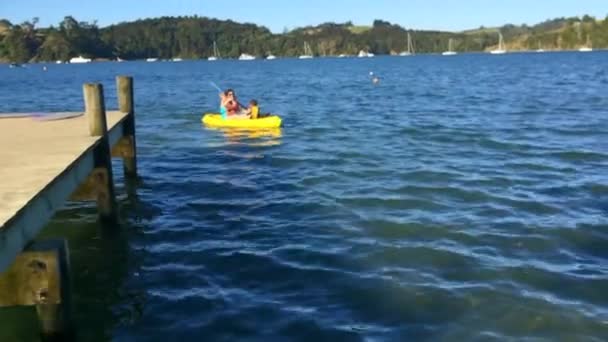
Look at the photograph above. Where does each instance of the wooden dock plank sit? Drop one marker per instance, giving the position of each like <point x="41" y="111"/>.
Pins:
<point x="41" y="163"/>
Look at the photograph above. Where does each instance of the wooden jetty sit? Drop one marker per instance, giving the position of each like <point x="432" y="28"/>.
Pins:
<point x="44" y="163"/>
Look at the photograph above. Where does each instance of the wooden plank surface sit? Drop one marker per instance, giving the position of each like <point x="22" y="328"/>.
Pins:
<point x="33" y="156"/>
<point x="33" y="153"/>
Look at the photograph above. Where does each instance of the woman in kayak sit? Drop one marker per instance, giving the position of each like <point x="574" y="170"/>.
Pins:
<point x="230" y="107"/>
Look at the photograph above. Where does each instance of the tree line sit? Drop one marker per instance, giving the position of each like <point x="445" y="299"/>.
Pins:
<point x="193" y="37"/>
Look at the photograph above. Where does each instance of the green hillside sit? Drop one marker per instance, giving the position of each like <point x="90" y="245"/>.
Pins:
<point x="193" y="37"/>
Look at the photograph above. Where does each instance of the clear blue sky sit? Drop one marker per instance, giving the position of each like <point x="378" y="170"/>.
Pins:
<point x="279" y="14"/>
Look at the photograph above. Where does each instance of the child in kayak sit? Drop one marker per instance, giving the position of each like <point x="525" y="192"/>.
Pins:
<point x="254" y="110"/>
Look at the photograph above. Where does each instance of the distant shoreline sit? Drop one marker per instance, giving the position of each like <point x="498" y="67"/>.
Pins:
<point x="260" y="58"/>
<point x="200" y="38"/>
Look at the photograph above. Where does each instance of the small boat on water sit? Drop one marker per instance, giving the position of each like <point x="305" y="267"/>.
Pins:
<point x="79" y="60"/>
<point x="410" y="47"/>
<point x="307" y="52"/>
<point x="587" y="47"/>
<point x="177" y="59"/>
<point x="271" y="57"/>
<point x="216" y="120"/>
<point x="540" y="48"/>
<point x="246" y="57"/>
<point x="501" y="46"/>
<point x="216" y="53"/>
<point x="151" y="59"/>
<point x="365" y="54"/>
<point x="450" y="51"/>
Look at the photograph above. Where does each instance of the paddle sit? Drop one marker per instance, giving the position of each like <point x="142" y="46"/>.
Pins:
<point x="215" y="86"/>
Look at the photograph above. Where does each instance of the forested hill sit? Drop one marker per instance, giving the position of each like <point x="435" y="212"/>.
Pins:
<point x="193" y="37"/>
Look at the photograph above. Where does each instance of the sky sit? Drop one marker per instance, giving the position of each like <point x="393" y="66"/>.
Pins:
<point x="277" y="15"/>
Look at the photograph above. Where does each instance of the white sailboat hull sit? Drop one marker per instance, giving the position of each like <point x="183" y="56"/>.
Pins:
<point x="585" y="49"/>
<point x="246" y="57"/>
<point x="363" y="54"/>
<point x="498" y="52"/>
<point x="449" y="53"/>
<point x="79" y="59"/>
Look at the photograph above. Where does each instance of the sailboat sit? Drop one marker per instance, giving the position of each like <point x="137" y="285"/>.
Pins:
<point x="246" y="57"/>
<point x="501" y="46"/>
<point x="216" y="53"/>
<point x="587" y="47"/>
<point x="79" y="59"/>
<point x="271" y="57"/>
<point x="540" y="48"/>
<point x="450" y="51"/>
<point x="365" y="54"/>
<point x="410" y="47"/>
<point x="307" y="52"/>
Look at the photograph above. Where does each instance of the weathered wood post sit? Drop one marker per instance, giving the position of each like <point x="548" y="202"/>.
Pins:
<point x="95" y="112"/>
<point x="124" y="87"/>
<point x="55" y="320"/>
<point x="40" y="277"/>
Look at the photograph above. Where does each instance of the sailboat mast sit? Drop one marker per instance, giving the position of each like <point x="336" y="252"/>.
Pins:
<point x="215" y="51"/>
<point x="307" y="49"/>
<point x="410" y="44"/>
<point x="501" y="43"/>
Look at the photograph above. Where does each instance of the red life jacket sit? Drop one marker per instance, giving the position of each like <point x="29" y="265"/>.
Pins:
<point x="232" y="106"/>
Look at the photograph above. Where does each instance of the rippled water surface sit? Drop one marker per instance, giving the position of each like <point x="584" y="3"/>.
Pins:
<point x="462" y="198"/>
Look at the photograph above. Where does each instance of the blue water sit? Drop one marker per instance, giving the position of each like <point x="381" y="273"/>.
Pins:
<point x="462" y="198"/>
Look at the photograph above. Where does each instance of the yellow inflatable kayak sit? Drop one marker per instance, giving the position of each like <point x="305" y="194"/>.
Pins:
<point x="215" y="120"/>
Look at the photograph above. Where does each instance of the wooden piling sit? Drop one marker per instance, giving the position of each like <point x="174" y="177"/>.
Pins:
<point x="124" y="87"/>
<point x="55" y="319"/>
<point x="95" y="112"/>
<point x="40" y="276"/>
<point x="95" y="109"/>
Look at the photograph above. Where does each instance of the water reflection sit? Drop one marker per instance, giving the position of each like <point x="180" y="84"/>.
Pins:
<point x="251" y="137"/>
